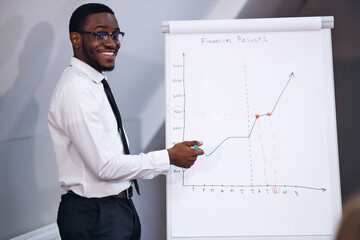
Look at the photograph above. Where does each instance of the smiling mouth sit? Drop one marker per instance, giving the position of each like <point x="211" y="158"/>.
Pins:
<point x="108" y="53"/>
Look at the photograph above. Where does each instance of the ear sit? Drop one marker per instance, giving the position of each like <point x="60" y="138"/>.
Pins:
<point x="75" y="39"/>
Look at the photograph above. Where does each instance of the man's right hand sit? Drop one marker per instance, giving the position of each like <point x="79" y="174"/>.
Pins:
<point x="183" y="154"/>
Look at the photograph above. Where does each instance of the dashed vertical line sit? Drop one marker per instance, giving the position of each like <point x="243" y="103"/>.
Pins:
<point x="248" y="124"/>
<point x="257" y="116"/>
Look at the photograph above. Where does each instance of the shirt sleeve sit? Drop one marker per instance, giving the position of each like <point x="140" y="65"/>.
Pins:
<point x="96" y="142"/>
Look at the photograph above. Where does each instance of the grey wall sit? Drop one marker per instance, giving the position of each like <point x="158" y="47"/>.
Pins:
<point x="35" y="50"/>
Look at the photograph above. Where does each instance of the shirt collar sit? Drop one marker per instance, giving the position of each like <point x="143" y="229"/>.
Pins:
<point x="91" y="72"/>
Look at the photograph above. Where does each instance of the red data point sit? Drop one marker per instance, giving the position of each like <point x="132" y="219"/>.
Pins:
<point x="257" y="116"/>
<point x="269" y="114"/>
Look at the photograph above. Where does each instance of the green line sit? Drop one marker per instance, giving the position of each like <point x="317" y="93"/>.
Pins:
<point x="183" y="178"/>
<point x="252" y="128"/>
<point x="223" y="142"/>
<point x="290" y="77"/>
<point x="261" y="115"/>
<point x="236" y="137"/>
<point x="248" y="136"/>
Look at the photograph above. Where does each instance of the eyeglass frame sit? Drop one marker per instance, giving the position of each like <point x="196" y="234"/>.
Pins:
<point x="107" y="36"/>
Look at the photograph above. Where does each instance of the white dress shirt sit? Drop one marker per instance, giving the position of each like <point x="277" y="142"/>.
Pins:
<point x="87" y="144"/>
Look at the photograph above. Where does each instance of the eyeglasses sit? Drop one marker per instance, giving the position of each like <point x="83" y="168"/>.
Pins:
<point x="101" y="37"/>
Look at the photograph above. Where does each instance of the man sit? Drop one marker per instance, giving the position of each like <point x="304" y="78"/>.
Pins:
<point x="89" y="141"/>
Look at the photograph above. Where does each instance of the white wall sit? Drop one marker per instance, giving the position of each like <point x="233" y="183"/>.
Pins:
<point x="34" y="51"/>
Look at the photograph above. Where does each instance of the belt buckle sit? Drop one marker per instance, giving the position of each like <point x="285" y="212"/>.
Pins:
<point x="127" y="193"/>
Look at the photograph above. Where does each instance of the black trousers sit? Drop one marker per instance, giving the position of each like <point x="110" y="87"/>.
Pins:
<point x="108" y="218"/>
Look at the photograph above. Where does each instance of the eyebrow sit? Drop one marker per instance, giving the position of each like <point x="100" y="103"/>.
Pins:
<point x="100" y="26"/>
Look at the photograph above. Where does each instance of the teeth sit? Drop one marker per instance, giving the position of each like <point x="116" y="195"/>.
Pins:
<point x="108" y="53"/>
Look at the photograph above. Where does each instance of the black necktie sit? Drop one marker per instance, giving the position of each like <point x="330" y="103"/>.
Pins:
<point x="119" y="123"/>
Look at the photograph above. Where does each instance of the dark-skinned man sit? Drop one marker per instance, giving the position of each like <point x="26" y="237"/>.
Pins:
<point x="94" y="164"/>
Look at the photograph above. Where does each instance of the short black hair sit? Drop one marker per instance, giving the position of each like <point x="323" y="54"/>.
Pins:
<point x="79" y="16"/>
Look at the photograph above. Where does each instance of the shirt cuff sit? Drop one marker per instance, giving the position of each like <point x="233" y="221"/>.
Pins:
<point x="162" y="161"/>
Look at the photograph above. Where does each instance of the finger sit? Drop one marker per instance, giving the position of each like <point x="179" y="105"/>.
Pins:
<point x="193" y="143"/>
<point x="199" y="151"/>
<point x="196" y="151"/>
<point x="189" y="143"/>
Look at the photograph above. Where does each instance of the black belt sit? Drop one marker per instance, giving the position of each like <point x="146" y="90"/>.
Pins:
<point x="127" y="193"/>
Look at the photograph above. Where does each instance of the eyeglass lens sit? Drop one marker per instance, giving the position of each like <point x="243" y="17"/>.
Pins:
<point x="103" y="36"/>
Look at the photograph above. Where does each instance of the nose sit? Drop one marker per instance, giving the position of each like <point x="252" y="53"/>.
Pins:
<point x="110" y="42"/>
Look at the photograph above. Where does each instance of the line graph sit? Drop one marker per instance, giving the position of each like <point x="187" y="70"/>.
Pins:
<point x="183" y="110"/>
<point x="257" y="116"/>
<point x="291" y="76"/>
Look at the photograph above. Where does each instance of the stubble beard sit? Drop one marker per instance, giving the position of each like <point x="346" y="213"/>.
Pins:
<point x="89" y="56"/>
